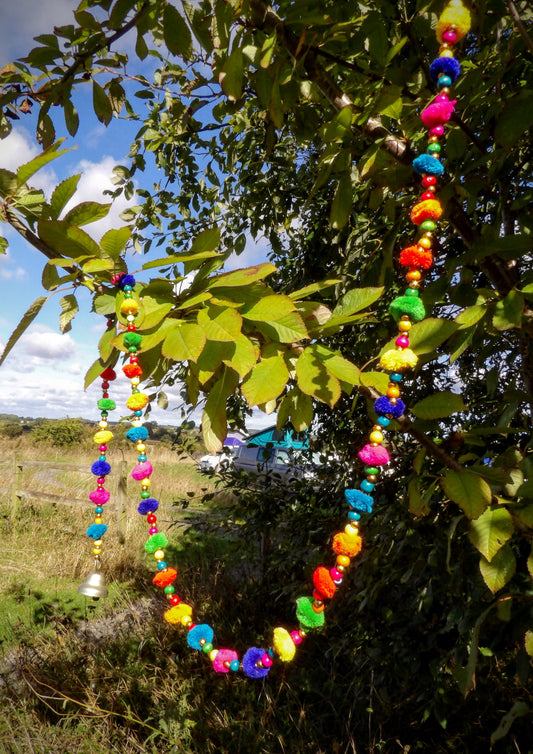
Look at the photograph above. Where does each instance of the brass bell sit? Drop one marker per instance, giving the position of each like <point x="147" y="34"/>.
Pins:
<point x="94" y="586"/>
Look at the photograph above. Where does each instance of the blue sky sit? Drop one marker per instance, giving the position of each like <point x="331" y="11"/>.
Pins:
<point x="44" y="373"/>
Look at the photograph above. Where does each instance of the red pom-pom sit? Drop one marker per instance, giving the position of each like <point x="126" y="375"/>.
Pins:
<point x="132" y="370"/>
<point x="108" y="374"/>
<point x="165" y="578"/>
<point x="323" y="582"/>
<point x="416" y="256"/>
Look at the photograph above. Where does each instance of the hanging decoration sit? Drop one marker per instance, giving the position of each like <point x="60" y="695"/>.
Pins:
<point x="416" y="258"/>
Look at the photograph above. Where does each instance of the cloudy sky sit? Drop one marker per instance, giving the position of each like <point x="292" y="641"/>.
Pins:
<point x="44" y="373"/>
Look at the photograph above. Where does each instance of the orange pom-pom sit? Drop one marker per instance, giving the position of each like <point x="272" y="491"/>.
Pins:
<point x="132" y="370"/>
<point x="323" y="582"/>
<point x="137" y="401"/>
<point x="344" y="544"/>
<point x="165" y="578"/>
<point x="430" y="209"/>
<point x="416" y="256"/>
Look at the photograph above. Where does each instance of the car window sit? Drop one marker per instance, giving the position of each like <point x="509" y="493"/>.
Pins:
<point x="282" y="457"/>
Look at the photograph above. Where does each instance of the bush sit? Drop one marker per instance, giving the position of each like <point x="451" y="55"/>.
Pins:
<point x="60" y="432"/>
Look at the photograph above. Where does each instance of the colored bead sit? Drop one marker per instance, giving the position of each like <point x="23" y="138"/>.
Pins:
<point x="351" y="531"/>
<point x="145" y="493"/>
<point x="169" y="589"/>
<point x="102" y="448"/>
<point x="367" y="486"/>
<point x="414" y="275"/>
<point x="430" y="180"/>
<point x="383" y="421"/>
<point x="395" y="377"/>
<point x="141" y="458"/>
<point x="207" y="647"/>
<point x="159" y="554"/>
<point x="97" y="520"/>
<point x="402" y="341"/>
<point x="428" y="225"/>
<point x="426" y="194"/>
<point x="343" y="560"/>
<point x="425" y="242"/>
<point x="185" y="620"/>
<point x="174" y="600"/>
<point x="433" y="149"/>
<point x="99" y="510"/>
<point x="371" y="470"/>
<point x="436" y="131"/>
<point x="449" y="36"/>
<point x="151" y="519"/>
<point x="409" y="292"/>
<point x="353" y="516"/>
<point x="404" y="326"/>
<point x="153" y="530"/>
<point x="376" y="437"/>
<point x="266" y="660"/>
<point x="234" y="665"/>
<point x="335" y="575"/>
<point x="444" y="81"/>
<point x="162" y="565"/>
<point x="446" y="53"/>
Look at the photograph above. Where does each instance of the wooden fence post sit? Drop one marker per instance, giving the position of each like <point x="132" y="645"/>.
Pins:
<point x="122" y="497"/>
<point x="17" y="485"/>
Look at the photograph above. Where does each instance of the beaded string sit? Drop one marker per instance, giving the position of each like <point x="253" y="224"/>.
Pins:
<point x="407" y="309"/>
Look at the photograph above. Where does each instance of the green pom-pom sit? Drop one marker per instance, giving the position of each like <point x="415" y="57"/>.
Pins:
<point x="132" y="339"/>
<point x="413" y="307"/>
<point x="307" y="617"/>
<point x="156" y="542"/>
<point x="106" y="404"/>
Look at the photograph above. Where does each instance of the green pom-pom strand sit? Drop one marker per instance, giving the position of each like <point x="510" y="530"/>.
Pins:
<point x="106" y="404"/>
<point x="306" y="616"/>
<point x="156" y="542"/>
<point x="412" y="306"/>
<point x="132" y="339"/>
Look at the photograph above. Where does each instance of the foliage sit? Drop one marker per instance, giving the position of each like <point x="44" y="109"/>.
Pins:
<point x="60" y="432"/>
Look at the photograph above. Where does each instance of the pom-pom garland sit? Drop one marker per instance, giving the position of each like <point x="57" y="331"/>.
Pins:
<point x="374" y="455"/>
<point x="456" y="19"/>
<point x="137" y="401"/>
<point x="407" y="306"/>
<point x="142" y="470"/>
<point x="99" y="496"/>
<point x="96" y="531"/>
<point x="416" y="256"/>
<point x="430" y="209"/>
<point x="283" y="644"/>
<point x="251" y="663"/>
<point x="156" y="542"/>
<point x="359" y="501"/>
<point x="445" y="66"/>
<point x="137" y="433"/>
<point x="427" y="164"/>
<point x="199" y="636"/>
<point x="438" y="113"/>
<point x="132" y="370"/>
<point x="126" y="280"/>
<point x="150" y="505"/>
<point x="324" y="583"/>
<point x="101" y="468"/>
<point x="165" y="578"/>
<point x="385" y="407"/>
<point x="398" y="361"/>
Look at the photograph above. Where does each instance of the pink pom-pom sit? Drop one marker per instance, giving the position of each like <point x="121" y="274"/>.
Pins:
<point x="374" y="455"/>
<point x="142" y="470"/>
<point x="438" y="112"/>
<point x="224" y="656"/>
<point x="100" y="496"/>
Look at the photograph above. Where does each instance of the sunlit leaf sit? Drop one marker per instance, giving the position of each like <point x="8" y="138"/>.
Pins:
<point x="86" y="212"/>
<point x="184" y="343"/>
<point x="69" y="309"/>
<point x="471" y="493"/>
<point x="214" y="421"/>
<point x="491" y="531"/>
<point x="265" y="381"/>
<point x="219" y="323"/>
<point x="23" y="325"/>
<point x="500" y="570"/>
<point x="176" y="33"/>
<point x="438" y="405"/>
<point x="315" y="380"/>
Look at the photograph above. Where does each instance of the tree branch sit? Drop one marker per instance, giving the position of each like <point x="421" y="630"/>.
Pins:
<point x="520" y="25"/>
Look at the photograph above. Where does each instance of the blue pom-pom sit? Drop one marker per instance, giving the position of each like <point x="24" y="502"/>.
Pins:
<point x="359" y="501"/>
<point x="101" y="468"/>
<point x="200" y="631"/>
<point x="426" y="163"/>
<point x="249" y="666"/>
<point x="384" y="406"/>
<point x="150" y="505"/>
<point x="96" y="531"/>
<point x="137" y="433"/>
<point x="126" y="280"/>
<point x="449" y="66"/>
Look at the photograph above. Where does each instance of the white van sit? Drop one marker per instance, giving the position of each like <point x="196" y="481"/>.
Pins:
<point x="260" y="460"/>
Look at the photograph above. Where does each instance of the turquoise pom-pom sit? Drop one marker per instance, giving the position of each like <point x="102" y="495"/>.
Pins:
<point x="429" y="165"/>
<point x="137" y="433"/>
<point x="359" y="501"/>
<point x="199" y="632"/>
<point x="96" y="531"/>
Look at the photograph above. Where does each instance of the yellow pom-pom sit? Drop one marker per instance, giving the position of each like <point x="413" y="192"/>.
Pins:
<point x="102" y="437"/>
<point x="457" y="15"/>
<point x="283" y="645"/>
<point x="129" y="306"/>
<point x="136" y="401"/>
<point x="397" y="361"/>
<point x="176" y="613"/>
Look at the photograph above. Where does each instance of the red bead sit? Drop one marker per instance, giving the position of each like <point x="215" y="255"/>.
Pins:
<point x="105" y="395"/>
<point x="105" y="385"/>
<point x="318" y="595"/>
<point x="151" y="518"/>
<point x="134" y="359"/>
<point x="429" y="180"/>
<point x="131" y="328"/>
<point x="427" y="195"/>
<point x="174" y="600"/>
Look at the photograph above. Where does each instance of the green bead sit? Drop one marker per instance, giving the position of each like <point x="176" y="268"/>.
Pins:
<point x="145" y="494"/>
<point x="434" y="148"/>
<point x="411" y="292"/>
<point x="428" y="225"/>
<point x="371" y="470"/>
<point x="132" y="349"/>
<point x="207" y="648"/>
<point x="169" y="589"/>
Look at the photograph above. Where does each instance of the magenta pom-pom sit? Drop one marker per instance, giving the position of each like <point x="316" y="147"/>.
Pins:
<point x="100" y="496"/>
<point x="438" y="113"/>
<point x="142" y="470"/>
<point x="374" y="455"/>
<point x="223" y="660"/>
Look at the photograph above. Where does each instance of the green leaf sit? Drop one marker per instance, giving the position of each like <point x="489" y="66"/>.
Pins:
<point x="288" y="329"/>
<point x="8" y="182"/>
<point x="459" y="343"/>
<point x="418" y="506"/>
<point x="528" y="644"/>
<point x="214" y="418"/>
<point x="24" y="323"/>
<point x="207" y="240"/>
<point x="308" y="290"/>
<point x="231" y="74"/>
<point x="315" y="380"/>
<point x="471" y="493"/>
<point x="266" y="381"/>
<point x="97" y="265"/>
<point x="69" y="309"/>
<point x="50" y="278"/>
<point x="46" y="132"/>
<point x="491" y="531"/>
<point x="515" y="120"/>
<point x="438" y="405"/>
<point x="356" y="299"/>
<point x="114" y="241"/>
<point x="500" y="570"/>
<point x="67" y="240"/>
<point x="219" y="323"/>
<point x="62" y="194"/>
<point x="296" y="407"/>
<point x="86" y="212"/>
<point x="390" y="102"/>
<point x="428" y="335"/>
<point x="104" y="304"/>
<point x="525" y="490"/>
<point x="341" y="206"/>
<point x="244" y="356"/>
<point x="162" y="400"/>
<point x="336" y="364"/>
<point x="101" y="104"/>
<point x="508" y="312"/>
<point x="105" y="345"/>
<point x="269" y="308"/>
<point x="184" y="343"/>
<point x="378" y="380"/>
<point x="25" y="172"/>
<point x="470" y="316"/>
<point x="519" y="709"/>
<point x="176" y="33"/>
<point x="243" y="277"/>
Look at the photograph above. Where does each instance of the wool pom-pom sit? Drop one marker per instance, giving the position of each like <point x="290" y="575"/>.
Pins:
<point x="108" y="374"/>
<point x="100" y="468"/>
<point x="412" y="306"/>
<point x="129" y="306"/>
<point x="142" y="470"/>
<point x="454" y="14"/>
<point x="106" y="404"/>
<point x="126" y="280"/>
<point x="426" y="164"/>
<point x="165" y="578"/>
<point x="132" y="339"/>
<point x="176" y="613"/>
<point x="438" y="113"/>
<point x="397" y="361"/>
<point x="99" y="496"/>
<point x="416" y="256"/>
<point x="155" y="542"/>
<point x="137" y="401"/>
<point x="346" y="544"/>
<point x="323" y="582"/>
<point x="374" y="455"/>
<point x="447" y="66"/>
<point x="383" y="407"/>
<point x="199" y="632"/>
<point x="430" y="209"/>
<point x="283" y="644"/>
<point x="137" y="433"/>
<point x="150" y="505"/>
<point x="224" y="659"/>
<point x="102" y="436"/>
<point x="132" y="370"/>
<point x="359" y="500"/>
<point x="249" y="663"/>
<point x="306" y="616"/>
<point x="96" y="531"/>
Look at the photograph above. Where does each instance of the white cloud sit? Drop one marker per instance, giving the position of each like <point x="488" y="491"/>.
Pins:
<point x="9" y="270"/>
<point x="24" y="19"/>
<point x="254" y="252"/>
<point x="48" y="345"/>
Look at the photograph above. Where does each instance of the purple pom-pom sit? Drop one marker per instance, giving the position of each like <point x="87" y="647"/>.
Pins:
<point x="101" y="468"/>
<point x="359" y="501"/>
<point x="426" y="163"/>
<point x="150" y="505"/>
<point x="126" y="280"/>
<point x="449" y="66"/>
<point x="383" y="406"/>
<point x="96" y="531"/>
<point x="137" y="433"/>
<point x="249" y="667"/>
